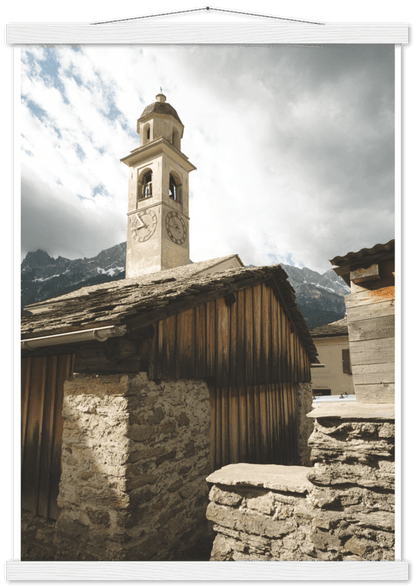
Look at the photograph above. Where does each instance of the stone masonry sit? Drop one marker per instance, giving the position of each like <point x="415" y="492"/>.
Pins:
<point x="135" y="455"/>
<point x="342" y="508"/>
<point x="304" y="399"/>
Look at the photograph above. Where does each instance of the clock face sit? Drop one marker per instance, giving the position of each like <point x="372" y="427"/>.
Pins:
<point x="143" y="224"/>
<point x="176" y="227"/>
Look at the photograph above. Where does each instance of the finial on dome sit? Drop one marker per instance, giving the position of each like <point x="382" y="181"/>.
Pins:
<point x="161" y="97"/>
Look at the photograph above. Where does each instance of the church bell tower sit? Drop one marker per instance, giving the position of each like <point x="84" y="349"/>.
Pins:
<point x="158" y="198"/>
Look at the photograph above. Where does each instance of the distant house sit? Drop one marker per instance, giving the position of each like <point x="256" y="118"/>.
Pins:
<point x="331" y="342"/>
<point x="370" y="315"/>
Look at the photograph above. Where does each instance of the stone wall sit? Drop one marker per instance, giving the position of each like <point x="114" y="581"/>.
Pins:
<point x="135" y="455"/>
<point x="342" y="508"/>
<point x="304" y="399"/>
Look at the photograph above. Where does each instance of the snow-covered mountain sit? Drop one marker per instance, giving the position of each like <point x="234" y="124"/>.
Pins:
<point x="44" y="277"/>
<point x="320" y="297"/>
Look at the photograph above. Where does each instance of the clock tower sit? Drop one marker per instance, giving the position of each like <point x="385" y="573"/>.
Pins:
<point x="158" y="198"/>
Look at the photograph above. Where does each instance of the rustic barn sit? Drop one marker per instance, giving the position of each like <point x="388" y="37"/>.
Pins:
<point x="370" y="314"/>
<point x="237" y="331"/>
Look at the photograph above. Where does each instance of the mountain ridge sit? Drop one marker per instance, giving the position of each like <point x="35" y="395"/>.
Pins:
<point x="320" y="297"/>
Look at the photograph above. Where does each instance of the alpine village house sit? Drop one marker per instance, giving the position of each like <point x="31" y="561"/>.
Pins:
<point x="134" y="391"/>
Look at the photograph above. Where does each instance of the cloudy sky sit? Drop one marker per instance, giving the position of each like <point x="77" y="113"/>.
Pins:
<point x="294" y="147"/>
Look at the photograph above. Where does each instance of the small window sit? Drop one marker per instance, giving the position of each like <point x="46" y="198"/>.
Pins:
<point x="175" y="138"/>
<point x="346" y="362"/>
<point x="173" y="189"/>
<point x="146" y="133"/>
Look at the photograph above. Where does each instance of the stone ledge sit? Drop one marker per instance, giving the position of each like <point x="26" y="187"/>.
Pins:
<point x="353" y="410"/>
<point x="273" y="477"/>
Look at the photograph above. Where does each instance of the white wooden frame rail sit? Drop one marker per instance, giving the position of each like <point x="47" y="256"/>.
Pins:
<point x="161" y="32"/>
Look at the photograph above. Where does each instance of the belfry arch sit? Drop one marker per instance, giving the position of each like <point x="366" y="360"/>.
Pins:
<point x="145" y="184"/>
<point x="175" y="187"/>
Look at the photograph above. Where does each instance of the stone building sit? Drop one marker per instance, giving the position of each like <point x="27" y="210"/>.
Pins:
<point x="133" y="391"/>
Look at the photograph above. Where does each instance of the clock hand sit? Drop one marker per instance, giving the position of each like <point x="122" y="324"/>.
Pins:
<point x="142" y="225"/>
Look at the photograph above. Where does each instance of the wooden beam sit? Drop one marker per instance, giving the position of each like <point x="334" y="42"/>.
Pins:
<point x="367" y="274"/>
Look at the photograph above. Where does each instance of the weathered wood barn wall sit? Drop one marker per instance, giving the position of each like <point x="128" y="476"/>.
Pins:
<point x="239" y="330"/>
<point x="247" y="345"/>
<point x="41" y="409"/>
<point x="370" y="314"/>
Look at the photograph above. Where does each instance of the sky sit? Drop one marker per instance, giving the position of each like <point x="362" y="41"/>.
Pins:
<point x="294" y="147"/>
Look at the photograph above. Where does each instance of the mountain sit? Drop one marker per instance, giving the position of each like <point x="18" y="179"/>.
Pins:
<point x="44" y="277"/>
<point x="320" y="297"/>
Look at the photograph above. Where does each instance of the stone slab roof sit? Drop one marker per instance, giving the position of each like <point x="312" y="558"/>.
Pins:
<point x="337" y="328"/>
<point x="118" y="302"/>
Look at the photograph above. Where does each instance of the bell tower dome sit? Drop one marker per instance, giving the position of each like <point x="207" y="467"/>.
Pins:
<point x="158" y="194"/>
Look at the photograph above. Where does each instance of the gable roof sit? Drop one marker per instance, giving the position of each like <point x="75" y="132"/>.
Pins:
<point x="141" y="301"/>
<point x="337" y="328"/>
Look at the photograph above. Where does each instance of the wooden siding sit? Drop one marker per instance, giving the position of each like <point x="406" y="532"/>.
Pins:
<point x="254" y="424"/>
<point x="371" y="334"/>
<point x="242" y="339"/>
<point x="41" y="410"/>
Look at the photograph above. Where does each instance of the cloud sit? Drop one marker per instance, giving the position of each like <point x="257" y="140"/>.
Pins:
<point x="294" y="146"/>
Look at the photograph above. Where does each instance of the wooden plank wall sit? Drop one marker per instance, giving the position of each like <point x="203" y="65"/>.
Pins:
<point x="41" y="415"/>
<point x="254" y="424"/>
<point x="241" y="339"/>
<point x="371" y="335"/>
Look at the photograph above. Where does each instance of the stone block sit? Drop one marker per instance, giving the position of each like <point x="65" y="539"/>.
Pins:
<point x="248" y="522"/>
<point x="176" y="485"/>
<point x="264" y="504"/>
<point x="158" y="414"/>
<point x="183" y="420"/>
<point x="139" y="481"/>
<point x="99" y="517"/>
<point x="220" y="549"/>
<point x="356" y="546"/>
<point x="325" y="540"/>
<point x="140" y="432"/>
<point x="167" y="428"/>
<point x="274" y="477"/>
<point x="165" y="457"/>
<point x="225" y="497"/>
<point x="73" y="529"/>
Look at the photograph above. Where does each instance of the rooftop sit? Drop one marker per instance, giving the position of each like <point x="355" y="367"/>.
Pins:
<point x="160" y="107"/>
<point x="149" y="298"/>
<point x="363" y="254"/>
<point x="337" y="328"/>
